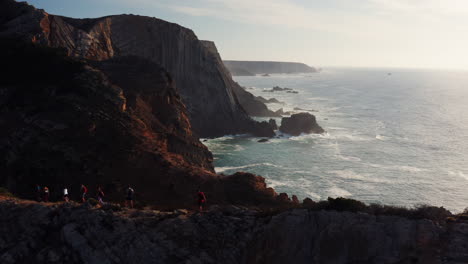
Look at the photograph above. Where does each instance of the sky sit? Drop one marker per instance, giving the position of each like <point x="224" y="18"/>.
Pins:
<point x="321" y="33"/>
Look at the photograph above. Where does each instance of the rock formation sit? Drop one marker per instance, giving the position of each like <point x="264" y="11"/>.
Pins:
<point x="36" y="233"/>
<point x="110" y="123"/>
<point x="300" y="123"/>
<point x="248" y="101"/>
<point x="205" y="86"/>
<point x="268" y="67"/>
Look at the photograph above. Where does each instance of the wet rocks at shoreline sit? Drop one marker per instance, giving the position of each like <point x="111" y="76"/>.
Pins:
<point x="300" y="123"/>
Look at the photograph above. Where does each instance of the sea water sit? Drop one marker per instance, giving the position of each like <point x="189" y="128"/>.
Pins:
<point x="396" y="137"/>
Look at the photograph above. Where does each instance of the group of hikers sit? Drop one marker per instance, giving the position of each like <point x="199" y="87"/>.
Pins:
<point x="43" y="195"/>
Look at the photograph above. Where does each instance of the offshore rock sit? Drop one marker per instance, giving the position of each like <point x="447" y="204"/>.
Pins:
<point x="300" y="123"/>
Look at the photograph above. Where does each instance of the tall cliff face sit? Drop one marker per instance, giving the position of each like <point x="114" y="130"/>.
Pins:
<point x="34" y="233"/>
<point x="267" y="67"/>
<point x="203" y="82"/>
<point x="247" y="100"/>
<point x="108" y="123"/>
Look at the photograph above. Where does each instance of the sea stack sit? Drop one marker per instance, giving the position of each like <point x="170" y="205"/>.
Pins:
<point x="300" y="123"/>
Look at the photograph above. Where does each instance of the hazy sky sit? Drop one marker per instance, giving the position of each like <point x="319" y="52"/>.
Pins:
<point x="388" y="33"/>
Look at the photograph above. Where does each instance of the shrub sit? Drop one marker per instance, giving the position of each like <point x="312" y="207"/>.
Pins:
<point x="345" y="204"/>
<point x="92" y="201"/>
<point x="5" y="192"/>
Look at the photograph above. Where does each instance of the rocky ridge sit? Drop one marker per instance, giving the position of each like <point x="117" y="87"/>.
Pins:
<point x="68" y="233"/>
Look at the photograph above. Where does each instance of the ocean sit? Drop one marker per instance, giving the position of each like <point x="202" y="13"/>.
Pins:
<point x="393" y="136"/>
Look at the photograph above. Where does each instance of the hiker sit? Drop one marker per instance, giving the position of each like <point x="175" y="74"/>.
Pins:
<point x="46" y="194"/>
<point x="201" y="199"/>
<point x="100" y="196"/>
<point x="129" y="198"/>
<point x="84" y="191"/>
<point x="38" y="193"/>
<point x="65" y="195"/>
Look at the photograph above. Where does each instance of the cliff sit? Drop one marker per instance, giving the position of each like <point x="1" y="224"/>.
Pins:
<point x="267" y="67"/>
<point x="204" y="84"/>
<point x="68" y="233"/>
<point x="105" y="123"/>
<point x="248" y="101"/>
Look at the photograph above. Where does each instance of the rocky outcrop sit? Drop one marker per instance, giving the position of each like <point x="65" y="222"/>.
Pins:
<point x="268" y="67"/>
<point x="35" y="233"/>
<point x="252" y="105"/>
<point x="300" y="123"/>
<point x="205" y="86"/>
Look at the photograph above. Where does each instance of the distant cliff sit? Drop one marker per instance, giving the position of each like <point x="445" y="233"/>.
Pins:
<point x="266" y="67"/>
<point x="204" y="85"/>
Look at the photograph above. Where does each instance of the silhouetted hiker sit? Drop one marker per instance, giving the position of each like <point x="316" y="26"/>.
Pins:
<point x="201" y="199"/>
<point x="38" y="193"/>
<point x="84" y="191"/>
<point x="129" y="198"/>
<point x="46" y="194"/>
<point x="100" y="196"/>
<point x="65" y="195"/>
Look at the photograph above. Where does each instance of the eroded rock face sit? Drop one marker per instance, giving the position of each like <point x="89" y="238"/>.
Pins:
<point x="205" y="86"/>
<point x="300" y="123"/>
<point x="111" y="123"/>
<point x="108" y="123"/>
<point x="34" y="233"/>
<point x="252" y="105"/>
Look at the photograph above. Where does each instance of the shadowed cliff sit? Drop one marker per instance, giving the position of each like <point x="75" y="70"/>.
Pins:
<point x="110" y="123"/>
<point x="205" y="86"/>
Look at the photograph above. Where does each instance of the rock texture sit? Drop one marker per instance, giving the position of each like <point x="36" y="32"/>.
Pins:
<point x="300" y="123"/>
<point x="110" y="123"/>
<point x="268" y="67"/>
<point x="205" y="86"/>
<point x="35" y="233"/>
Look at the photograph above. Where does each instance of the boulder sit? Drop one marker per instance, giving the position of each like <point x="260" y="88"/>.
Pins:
<point x="262" y="129"/>
<point x="300" y="123"/>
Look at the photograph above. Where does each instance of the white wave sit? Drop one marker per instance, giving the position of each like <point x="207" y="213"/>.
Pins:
<point x="348" y="174"/>
<point x="273" y="183"/>
<point x="227" y="168"/>
<point x="238" y="148"/>
<point x="338" y="192"/>
<point x="380" y="137"/>
<point x="336" y="128"/>
<point x="404" y="168"/>
<point x="459" y="174"/>
<point x="348" y="158"/>
<point x="312" y="195"/>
